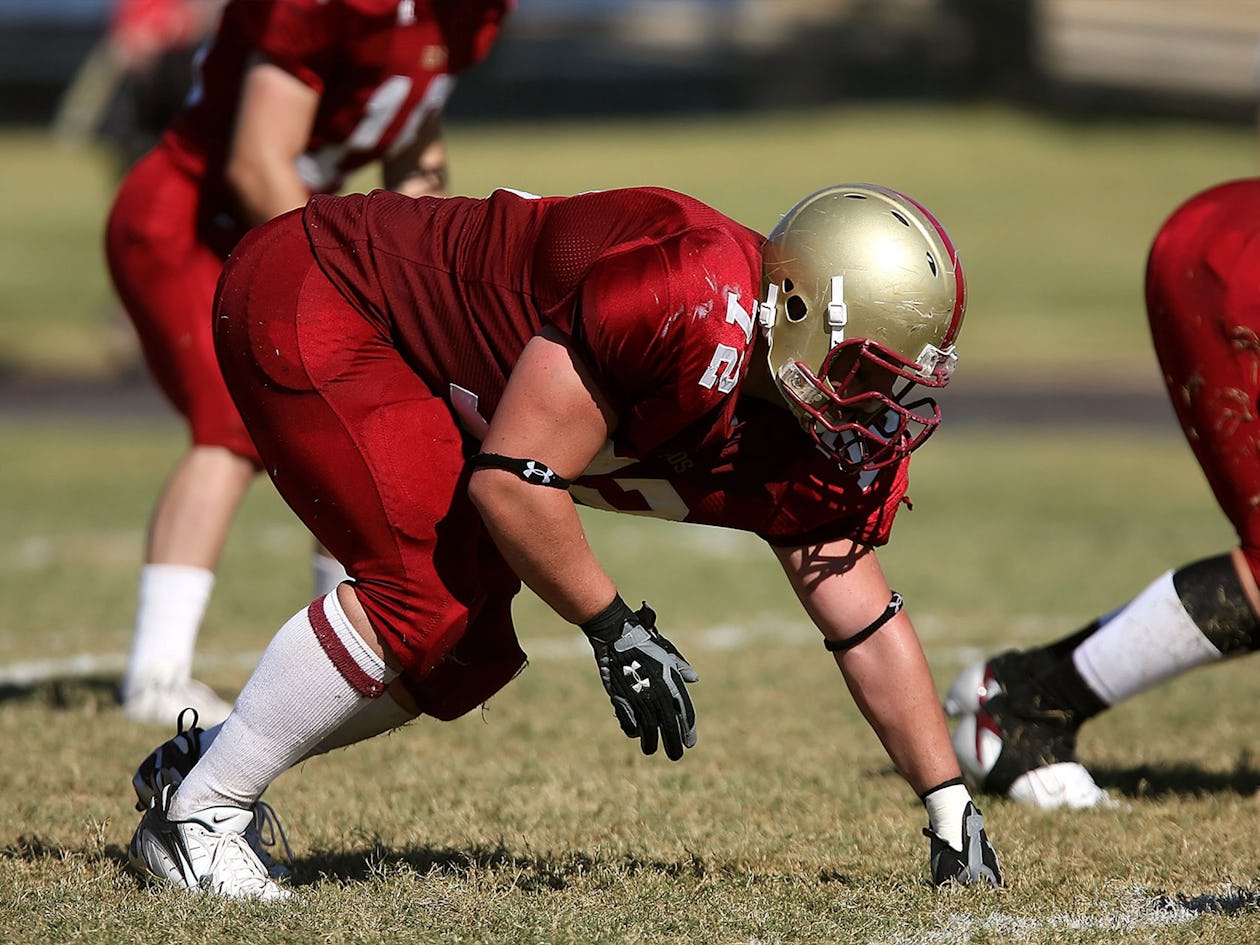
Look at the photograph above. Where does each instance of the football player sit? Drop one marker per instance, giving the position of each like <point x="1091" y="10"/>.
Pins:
<point x="434" y="384"/>
<point x="293" y="95"/>
<point x="1020" y="711"/>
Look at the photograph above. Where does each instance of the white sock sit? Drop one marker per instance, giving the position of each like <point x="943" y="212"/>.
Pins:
<point x="1149" y="640"/>
<point x="377" y="717"/>
<point x="294" y="700"/>
<point x="945" y="808"/>
<point x="326" y="573"/>
<point x="171" y="602"/>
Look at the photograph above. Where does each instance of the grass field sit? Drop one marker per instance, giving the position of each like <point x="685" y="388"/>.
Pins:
<point x="536" y="821"/>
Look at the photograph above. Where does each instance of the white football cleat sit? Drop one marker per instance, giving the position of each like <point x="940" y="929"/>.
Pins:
<point x="1062" y="784"/>
<point x="205" y="853"/>
<point x="169" y="764"/>
<point x="158" y="701"/>
<point x="1031" y="760"/>
<point x="967" y="691"/>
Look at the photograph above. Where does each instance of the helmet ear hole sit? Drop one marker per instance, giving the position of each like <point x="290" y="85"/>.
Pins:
<point x="796" y="308"/>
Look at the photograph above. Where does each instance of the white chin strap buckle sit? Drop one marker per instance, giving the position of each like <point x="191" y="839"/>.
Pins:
<point x="765" y="310"/>
<point x="837" y="311"/>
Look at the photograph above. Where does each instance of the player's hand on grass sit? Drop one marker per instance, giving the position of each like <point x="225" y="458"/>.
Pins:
<point x="645" y="677"/>
<point x="977" y="862"/>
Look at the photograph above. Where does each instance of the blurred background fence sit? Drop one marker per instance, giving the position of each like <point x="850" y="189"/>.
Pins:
<point x="635" y="56"/>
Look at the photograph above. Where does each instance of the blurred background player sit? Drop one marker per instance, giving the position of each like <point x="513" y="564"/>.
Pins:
<point x="433" y="384"/>
<point x="292" y="96"/>
<point x="134" y="81"/>
<point x="1020" y="711"/>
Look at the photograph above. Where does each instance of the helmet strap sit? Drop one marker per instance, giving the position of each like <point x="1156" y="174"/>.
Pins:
<point x="837" y="311"/>
<point x="766" y="309"/>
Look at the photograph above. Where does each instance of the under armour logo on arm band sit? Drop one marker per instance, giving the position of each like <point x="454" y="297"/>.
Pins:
<point x="894" y="607"/>
<point x="531" y="470"/>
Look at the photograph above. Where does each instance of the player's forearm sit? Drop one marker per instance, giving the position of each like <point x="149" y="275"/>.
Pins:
<point x="265" y="189"/>
<point x="418" y="174"/>
<point x="540" y="535"/>
<point x="892" y="685"/>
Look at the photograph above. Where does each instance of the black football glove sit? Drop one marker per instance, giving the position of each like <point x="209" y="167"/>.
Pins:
<point x="976" y="864"/>
<point x="644" y="675"/>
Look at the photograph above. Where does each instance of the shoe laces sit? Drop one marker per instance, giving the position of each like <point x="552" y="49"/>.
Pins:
<point x="269" y="834"/>
<point x="234" y="868"/>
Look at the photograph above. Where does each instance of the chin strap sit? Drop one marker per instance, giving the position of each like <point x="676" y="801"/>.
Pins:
<point x="895" y="603"/>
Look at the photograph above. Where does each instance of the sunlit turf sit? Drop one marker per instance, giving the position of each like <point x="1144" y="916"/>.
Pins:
<point x="537" y="821"/>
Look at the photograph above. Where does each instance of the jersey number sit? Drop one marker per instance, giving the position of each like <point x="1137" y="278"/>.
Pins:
<point x="723" y="369"/>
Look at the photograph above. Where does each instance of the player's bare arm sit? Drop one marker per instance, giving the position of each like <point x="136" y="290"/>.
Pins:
<point x="553" y="413"/>
<point x="419" y="170"/>
<point x="843" y="588"/>
<point x="273" y="126"/>
<point x="551" y="422"/>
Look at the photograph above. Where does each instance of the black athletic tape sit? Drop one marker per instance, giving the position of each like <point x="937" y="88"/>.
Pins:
<point x="530" y="470"/>
<point x="894" y="607"/>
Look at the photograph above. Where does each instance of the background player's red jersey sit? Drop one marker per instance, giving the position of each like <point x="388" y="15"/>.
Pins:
<point x="658" y="292"/>
<point x="379" y="66"/>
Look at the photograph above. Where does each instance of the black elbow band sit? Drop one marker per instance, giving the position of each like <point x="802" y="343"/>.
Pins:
<point x="894" y="607"/>
<point x="530" y="470"/>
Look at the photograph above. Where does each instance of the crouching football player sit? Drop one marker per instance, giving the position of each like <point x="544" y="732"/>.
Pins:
<point x="434" y="384"/>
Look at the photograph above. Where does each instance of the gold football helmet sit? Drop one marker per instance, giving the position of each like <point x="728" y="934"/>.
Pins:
<point x="864" y="297"/>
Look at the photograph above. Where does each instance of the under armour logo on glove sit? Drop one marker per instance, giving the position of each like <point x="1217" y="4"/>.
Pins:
<point x="639" y="683"/>
<point x="645" y="677"/>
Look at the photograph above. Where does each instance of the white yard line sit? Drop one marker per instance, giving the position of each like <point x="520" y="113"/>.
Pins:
<point x="758" y="632"/>
<point x="1135" y="912"/>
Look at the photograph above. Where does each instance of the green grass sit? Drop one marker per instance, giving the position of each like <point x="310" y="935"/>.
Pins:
<point x="1053" y="218"/>
<point x="538" y="822"/>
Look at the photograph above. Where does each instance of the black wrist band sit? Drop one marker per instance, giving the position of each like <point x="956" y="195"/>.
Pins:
<point x="952" y="782"/>
<point x="607" y="625"/>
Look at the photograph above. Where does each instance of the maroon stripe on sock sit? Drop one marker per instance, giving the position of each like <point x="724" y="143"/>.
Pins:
<point x="340" y="656"/>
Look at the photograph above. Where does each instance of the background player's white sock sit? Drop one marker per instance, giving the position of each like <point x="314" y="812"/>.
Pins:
<point x="1146" y="642"/>
<point x="294" y="700"/>
<point x="170" y="605"/>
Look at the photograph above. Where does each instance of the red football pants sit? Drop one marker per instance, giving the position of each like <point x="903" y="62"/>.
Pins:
<point x="165" y="266"/>
<point x="1203" y="301"/>
<point x="374" y="464"/>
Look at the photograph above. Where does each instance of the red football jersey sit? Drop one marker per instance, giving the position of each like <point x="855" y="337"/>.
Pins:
<point x="658" y="292"/>
<point x="380" y="66"/>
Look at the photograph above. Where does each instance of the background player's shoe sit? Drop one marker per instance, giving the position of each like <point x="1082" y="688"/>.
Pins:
<point x="168" y="765"/>
<point x="207" y="852"/>
<point x="159" y="700"/>
<point x="976" y="864"/>
<point x="1006" y="746"/>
